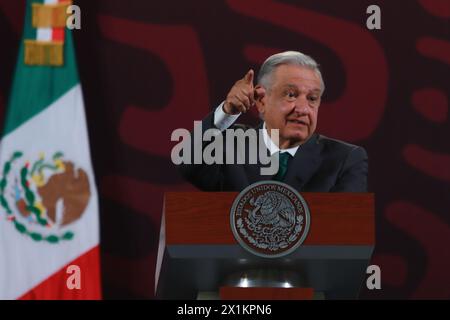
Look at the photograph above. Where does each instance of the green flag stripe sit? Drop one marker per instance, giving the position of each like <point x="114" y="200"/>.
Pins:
<point x="28" y="31"/>
<point x="35" y="88"/>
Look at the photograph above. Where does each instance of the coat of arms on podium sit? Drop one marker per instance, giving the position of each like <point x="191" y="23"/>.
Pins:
<point x="270" y="219"/>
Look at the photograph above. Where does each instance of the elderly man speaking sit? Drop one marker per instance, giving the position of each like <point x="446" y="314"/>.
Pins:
<point x="287" y="96"/>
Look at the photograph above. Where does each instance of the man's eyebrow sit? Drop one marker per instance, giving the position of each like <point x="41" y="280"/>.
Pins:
<point x="294" y="86"/>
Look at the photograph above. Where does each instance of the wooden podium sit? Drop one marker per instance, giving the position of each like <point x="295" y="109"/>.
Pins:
<point x="198" y="252"/>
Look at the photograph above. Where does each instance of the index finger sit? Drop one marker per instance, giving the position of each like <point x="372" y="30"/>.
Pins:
<point x="249" y="77"/>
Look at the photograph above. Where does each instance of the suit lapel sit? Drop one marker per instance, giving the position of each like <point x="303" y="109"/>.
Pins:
<point x="300" y="169"/>
<point x="254" y="170"/>
<point x="304" y="164"/>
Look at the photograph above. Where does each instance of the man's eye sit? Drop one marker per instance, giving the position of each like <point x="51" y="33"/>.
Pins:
<point x="313" y="99"/>
<point x="291" y="94"/>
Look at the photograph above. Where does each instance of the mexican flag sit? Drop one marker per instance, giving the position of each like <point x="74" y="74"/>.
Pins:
<point x="49" y="223"/>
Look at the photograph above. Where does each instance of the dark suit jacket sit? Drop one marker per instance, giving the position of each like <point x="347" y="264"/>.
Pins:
<point x="320" y="164"/>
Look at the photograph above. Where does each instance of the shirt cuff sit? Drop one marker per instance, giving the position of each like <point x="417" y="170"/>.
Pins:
<point x="222" y="120"/>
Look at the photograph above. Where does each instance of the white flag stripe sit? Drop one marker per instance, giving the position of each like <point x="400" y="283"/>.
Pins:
<point x="44" y="34"/>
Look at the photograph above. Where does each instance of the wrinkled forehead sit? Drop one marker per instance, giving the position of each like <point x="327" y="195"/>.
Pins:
<point x="291" y="75"/>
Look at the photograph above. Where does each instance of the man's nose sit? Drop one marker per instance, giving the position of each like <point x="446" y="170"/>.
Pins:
<point x="301" y="105"/>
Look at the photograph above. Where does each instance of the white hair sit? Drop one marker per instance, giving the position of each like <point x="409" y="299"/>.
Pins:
<point x="286" y="58"/>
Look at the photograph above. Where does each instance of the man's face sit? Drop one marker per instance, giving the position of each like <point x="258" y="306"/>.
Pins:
<point x="291" y="104"/>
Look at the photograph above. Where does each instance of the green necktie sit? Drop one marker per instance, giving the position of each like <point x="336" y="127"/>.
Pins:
<point x="283" y="164"/>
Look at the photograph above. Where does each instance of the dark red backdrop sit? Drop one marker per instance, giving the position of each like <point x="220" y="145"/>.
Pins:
<point x="148" y="67"/>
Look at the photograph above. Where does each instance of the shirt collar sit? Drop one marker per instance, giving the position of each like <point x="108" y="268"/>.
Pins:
<point x="272" y="147"/>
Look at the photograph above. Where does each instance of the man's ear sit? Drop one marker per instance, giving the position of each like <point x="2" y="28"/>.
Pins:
<point x="260" y="100"/>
